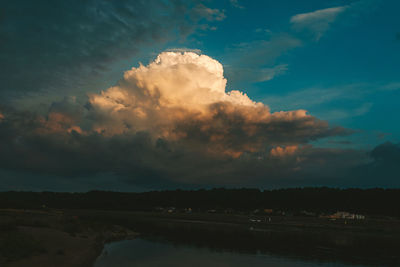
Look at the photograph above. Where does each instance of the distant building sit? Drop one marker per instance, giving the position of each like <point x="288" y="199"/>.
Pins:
<point x="171" y="210"/>
<point x="346" y="215"/>
<point x="360" y="217"/>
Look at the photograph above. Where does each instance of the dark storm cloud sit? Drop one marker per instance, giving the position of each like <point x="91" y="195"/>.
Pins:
<point x="55" y="45"/>
<point x="231" y="128"/>
<point x="25" y="148"/>
<point x="34" y="145"/>
<point x="386" y="154"/>
<point x="382" y="170"/>
<point x="140" y="161"/>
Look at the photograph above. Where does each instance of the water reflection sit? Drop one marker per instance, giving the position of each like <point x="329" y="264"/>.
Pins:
<point x="149" y="253"/>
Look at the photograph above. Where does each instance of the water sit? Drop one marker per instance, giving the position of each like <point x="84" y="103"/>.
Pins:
<point x="149" y="253"/>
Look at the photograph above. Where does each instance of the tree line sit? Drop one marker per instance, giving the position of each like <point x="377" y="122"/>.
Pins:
<point x="377" y="201"/>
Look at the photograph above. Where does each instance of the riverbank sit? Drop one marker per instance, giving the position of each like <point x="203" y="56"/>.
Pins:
<point x="369" y="242"/>
<point x="53" y="238"/>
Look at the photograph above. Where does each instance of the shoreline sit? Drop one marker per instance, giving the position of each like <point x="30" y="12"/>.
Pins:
<point x="53" y="238"/>
<point x="99" y="246"/>
<point x="78" y="237"/>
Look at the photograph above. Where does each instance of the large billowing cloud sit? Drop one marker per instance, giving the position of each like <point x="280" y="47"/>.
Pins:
<point x="172" y="119"/>
<point x="181" y="97"/>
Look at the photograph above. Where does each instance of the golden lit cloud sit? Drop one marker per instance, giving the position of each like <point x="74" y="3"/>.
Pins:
<point x="182" y="97"/>
<point x="283" y="151"/>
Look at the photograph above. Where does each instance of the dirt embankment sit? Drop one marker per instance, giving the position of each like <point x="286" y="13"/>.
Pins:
<point x="52" y="238"/>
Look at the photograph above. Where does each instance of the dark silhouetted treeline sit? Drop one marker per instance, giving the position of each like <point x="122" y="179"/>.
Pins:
<point x="384" y="202"/>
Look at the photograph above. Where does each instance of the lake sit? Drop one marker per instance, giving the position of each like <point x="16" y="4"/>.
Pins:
<point x="156" y="253"/>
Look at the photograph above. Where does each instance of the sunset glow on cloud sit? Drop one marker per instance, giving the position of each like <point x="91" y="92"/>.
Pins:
<point x="182" y="96"/>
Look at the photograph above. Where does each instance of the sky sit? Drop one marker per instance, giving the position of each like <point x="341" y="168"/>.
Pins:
<point x="165" y="94"/>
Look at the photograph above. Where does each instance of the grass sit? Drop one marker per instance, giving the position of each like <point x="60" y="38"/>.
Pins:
<point x="15" y="245"/>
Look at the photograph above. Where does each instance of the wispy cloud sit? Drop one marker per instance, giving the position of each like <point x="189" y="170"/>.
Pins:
<point x="353" y="96"/>
<point x="257" y="61"/>
<point x="256" y="74"/>
<point x="211" y="14"/>
<point x="235" y="3"/>
<point x="316" y="22"/>
<point x="343" y="113"/>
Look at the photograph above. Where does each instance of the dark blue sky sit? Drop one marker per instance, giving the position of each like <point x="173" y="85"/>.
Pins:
<point x="164" y="126"/>
<point x="349" y="76"/>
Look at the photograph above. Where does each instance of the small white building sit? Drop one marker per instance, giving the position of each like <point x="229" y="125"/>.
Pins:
<point x="347" y="215"/>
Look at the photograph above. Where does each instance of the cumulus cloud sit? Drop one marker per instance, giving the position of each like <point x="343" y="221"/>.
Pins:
<point x="184" y="49"/>
<point x="317" y="22"/>
<point x="165" y="120"/>
<point x="182" y="97"/>
<point x="283" y="151"/>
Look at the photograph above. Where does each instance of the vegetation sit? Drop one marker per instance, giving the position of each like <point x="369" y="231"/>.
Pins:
<point x="382" y="202"/>
<point x="15" y="244"/>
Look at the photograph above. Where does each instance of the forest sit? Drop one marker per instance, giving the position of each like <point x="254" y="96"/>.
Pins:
<point x="377" y="201"/>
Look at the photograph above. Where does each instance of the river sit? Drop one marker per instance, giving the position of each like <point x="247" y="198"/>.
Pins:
<point x="158" y="253"/>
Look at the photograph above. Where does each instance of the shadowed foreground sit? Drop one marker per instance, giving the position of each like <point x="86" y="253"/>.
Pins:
<point x="52" y="238"/>
<point x="77" y="237"/>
